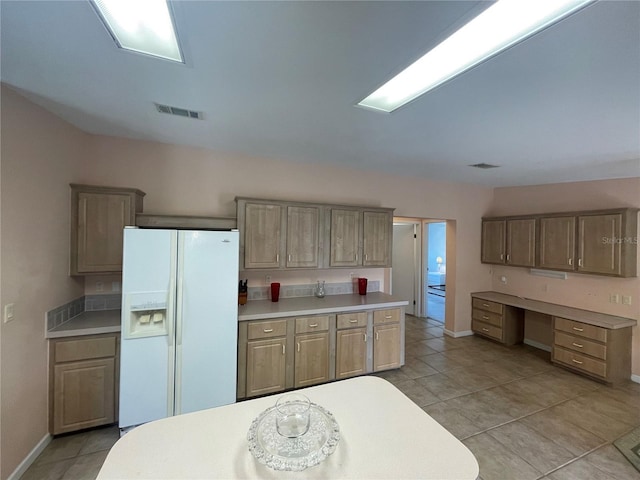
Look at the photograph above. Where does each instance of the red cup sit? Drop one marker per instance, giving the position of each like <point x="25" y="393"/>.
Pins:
<point x="362" y="286"/>
<point x="275" y="291"/>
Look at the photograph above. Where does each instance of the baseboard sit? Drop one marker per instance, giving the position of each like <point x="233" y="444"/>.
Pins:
<point x="635" y="378"/>
<point x="30" y="458"/>
<point x="535" y="344"/>
<point x="466" y="333"/>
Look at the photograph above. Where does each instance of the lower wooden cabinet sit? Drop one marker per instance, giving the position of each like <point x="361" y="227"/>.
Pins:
<point x="265" y="366"/>
<point x="601" y="353"/>
<point x="279" y="354"/>
<point x="84" y="374"/>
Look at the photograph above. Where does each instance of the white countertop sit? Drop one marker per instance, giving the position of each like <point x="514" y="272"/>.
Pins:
<point x="290" y="307"/>
<point x="383" y="435"/>
<point x="585" y="316"/>
<point x="88" y="323"/>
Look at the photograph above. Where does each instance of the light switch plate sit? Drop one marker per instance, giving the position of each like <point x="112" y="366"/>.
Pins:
<point x="9" y="314"/>
<point x="614" y="298"/>
<point x="626" y="299"/>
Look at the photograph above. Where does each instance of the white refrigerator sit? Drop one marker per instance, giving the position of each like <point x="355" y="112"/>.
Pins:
<point x="179" y="322"/>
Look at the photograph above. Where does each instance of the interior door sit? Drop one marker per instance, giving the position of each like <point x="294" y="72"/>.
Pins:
<point x="403" y="274"/>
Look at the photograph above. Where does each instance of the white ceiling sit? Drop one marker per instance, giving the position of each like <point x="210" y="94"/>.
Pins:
<point x="280" y="80"/>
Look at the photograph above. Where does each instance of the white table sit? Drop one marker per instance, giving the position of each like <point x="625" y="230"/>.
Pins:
<point x="383" y="435"/>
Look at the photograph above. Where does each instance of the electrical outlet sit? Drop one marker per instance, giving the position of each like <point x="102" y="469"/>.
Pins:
<point x="99" y="286"/>
<point x="9" y="314"/>
<point x="626" y="299"/>
<point x="614" y="298"/>
<point x="267" y="279"/>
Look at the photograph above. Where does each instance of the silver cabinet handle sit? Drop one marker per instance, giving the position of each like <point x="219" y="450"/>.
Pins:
<point x="570" y="261"/>
<point x="484" y="317"/>
<point x="356" y="257"/>
<point x="485" y="329"/>
<point x="502" y="256"/>
<point x="353" y="320"/>
<point x="576" y="361"/>
<point x="268" y="330"/>
<point x="577" y="329"/>
<point x="298" y="343"/>
<point x="580" y="262"/>
<point x="387" y="317"/>
<point x="508" y="257"/>
<point x="577" y="345"/>
<point x="283" y="348"/>
<point x="377" y="337"/>
<point x="485" y="304"/>
<point x="366" y="256"/>
<point x="365" y="337"/>
<point x="313" y="325"/>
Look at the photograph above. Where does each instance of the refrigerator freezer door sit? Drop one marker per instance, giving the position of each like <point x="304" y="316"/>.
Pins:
<point x="206" y="331"/>
<point x="147" y="362"/>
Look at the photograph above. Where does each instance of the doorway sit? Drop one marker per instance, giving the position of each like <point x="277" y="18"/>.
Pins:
<point x="435" y="269"/>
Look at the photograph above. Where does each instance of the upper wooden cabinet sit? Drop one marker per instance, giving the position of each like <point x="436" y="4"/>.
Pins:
<point x="510" y="242"/>
<point x="557" y="243"/>
<point x="596" y="242"/>
<point x="98" y="217"/>
<point x="493" y="241"/>
<point x="280" y="235"/>
<point x="345" y="237"/>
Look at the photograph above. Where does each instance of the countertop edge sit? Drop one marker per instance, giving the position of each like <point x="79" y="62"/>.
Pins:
<point x="608" y="321"/>
<point x="81" y="332"/>
<point x="316" y="311"/>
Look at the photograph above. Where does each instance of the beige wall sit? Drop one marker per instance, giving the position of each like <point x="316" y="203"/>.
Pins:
<point x="185" y="180"/>
<point x="589" y="292"/>
<point x="40" y="156"/>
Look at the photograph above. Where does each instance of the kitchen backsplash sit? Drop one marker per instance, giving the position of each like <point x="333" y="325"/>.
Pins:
<point x="308" y="290"/>
<point x="61" y="314"/>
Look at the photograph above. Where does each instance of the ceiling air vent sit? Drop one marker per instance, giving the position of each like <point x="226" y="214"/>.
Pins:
<point x="484" y="166"/>
<point x="180" y="112"/>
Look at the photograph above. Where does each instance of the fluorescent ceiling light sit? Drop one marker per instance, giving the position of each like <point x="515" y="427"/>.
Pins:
<point x="500" y="26"/>
<point x="143" y="26"/>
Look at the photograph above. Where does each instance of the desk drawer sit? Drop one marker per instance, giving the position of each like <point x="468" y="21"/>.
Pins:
<point x="580" y="362"/>
<point x="487" y="329"/>
<point x="268" y="329"/>
<point x="386" y="316"/>
<point x="487" y="317"/>
<point x="487" y="305"/>
<point x="319" y="323"/>
<point x="85" y="348"/>
<point x="349" y="320"/>
<point x="581" y="329"/>
<point x="580" y="345"/>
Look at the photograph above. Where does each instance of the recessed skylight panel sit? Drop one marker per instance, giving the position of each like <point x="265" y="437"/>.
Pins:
<point x="143" y="26"/>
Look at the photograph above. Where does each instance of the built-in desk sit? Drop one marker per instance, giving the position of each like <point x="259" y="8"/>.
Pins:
<point x="591" y="343"/>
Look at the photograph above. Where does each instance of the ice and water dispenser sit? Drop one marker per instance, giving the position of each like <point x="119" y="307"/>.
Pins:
<point x="146" y="315"/>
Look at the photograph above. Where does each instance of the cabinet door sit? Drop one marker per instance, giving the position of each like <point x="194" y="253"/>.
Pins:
<point x="84" y="395"/>
<point x="101" y="220"/>
<point x="377" y="239"/>
<point x="311" y="359"/>
<point x="493" y="241"/>
<point x="557" y="243"/>
<point x="262" y="235"/>
<point x="345" y="238"/>
<point x="302" y="236"/>
<point x="265" y="366"/>
<point x="599" y="244"/>
<point x="521" y="242"/>
<point x="386" y="347"/>
<point x="351" y="352"/>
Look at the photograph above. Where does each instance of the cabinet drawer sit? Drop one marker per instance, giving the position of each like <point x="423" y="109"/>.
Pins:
<point x="487" y="317"/>
<point x="487" y="329"/>
<point x="386" y="316"/>
<point x="581" y="329"/>
<point x="312" y="324"/>
<point x="580" y="345"/>
<point x="580" y="362"/>
<point x="348" y="320"/>
<point x="487" y="305"/>
<point x="271" y="328"/>
<point x="85" y="349"/>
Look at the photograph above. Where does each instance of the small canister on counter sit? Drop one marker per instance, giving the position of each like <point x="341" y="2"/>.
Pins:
<point x="242" y="292"/>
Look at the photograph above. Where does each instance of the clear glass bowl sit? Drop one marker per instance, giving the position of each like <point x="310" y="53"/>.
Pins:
<point x="293" y="454"/>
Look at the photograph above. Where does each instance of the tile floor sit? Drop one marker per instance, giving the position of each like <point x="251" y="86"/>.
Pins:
<point x="522" y="417"/>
